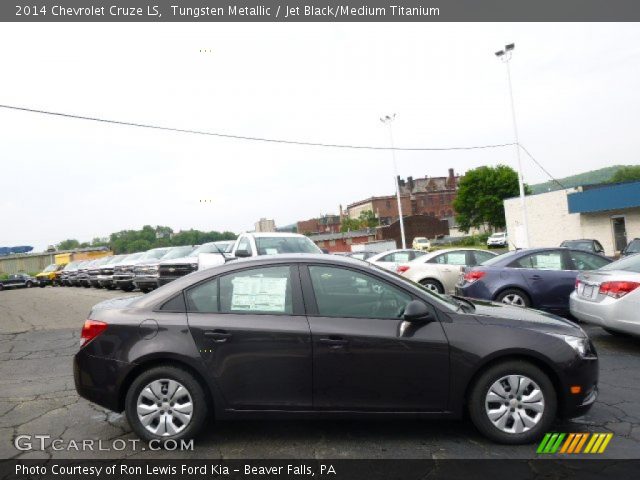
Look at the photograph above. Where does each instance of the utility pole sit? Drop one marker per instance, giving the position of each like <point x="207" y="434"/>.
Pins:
<point x="505" y="57"/>
<point x="388" y="119"/>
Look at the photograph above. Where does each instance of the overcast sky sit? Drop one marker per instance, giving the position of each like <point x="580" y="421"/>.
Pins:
<point x="576" y="89"/>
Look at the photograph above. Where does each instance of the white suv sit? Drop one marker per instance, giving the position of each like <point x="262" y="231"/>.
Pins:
<point x="498" y="240"/>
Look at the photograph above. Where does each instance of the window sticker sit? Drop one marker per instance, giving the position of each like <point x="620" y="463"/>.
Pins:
<point x="265" y="294"/>
<point x="271" y="251"/>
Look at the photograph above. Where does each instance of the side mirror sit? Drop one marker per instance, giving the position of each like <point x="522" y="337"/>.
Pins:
<point x="242" y="253"/>
<point x="417" y="312"/>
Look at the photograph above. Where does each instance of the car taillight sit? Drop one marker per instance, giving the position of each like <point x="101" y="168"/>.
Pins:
<point x="402" y="268"/>
<point x="474" y="275"/>
<point x="618" y="289"/>
<point x="90" y="330"/>
<point x="577" y="283"/>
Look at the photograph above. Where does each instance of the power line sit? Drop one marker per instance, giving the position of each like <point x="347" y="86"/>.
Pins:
<point x="541" y="167"/>
<point x="273" y="140"/>
<point x="249" y="138"/>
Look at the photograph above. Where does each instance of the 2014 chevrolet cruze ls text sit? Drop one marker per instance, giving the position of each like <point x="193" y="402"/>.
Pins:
<point x="299" y="336"/>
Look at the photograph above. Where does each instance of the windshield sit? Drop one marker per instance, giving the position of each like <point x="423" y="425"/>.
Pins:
<point x="178" y="252"/>
<point x="275" y="245"/>
<point x="133" y="256"/>
<point x="633" y="247"/>
<point x="498" y="235"/>
<point x="629" y="264"/>
<point x="578" y="245"/>
<point x="421" y="240"/>
<point x="51" y="268"/>
<point x="154" y="254"/>
<point x="499" y="258"/>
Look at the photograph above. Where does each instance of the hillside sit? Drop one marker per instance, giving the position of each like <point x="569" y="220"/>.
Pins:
<point x="594" y="176"/>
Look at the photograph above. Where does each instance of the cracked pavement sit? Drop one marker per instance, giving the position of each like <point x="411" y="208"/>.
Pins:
<point x="39" y="334"/>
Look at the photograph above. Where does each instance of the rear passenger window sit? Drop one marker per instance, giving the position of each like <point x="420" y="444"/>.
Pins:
<point x="584" y="261"/>
<point x="258" y="290"/>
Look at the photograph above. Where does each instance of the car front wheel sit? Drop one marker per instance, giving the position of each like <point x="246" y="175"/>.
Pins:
<point x="166" y="402"/>
<point x="513" y="402"/>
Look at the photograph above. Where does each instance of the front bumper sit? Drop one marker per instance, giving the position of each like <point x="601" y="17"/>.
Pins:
<point x="610" y="313"/>
<point x="583" y="373"/>
<point x="146" y="281"/>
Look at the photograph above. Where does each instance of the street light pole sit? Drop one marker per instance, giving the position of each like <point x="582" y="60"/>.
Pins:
<point x="388" y="119"/>
<point x="505" y="57"/>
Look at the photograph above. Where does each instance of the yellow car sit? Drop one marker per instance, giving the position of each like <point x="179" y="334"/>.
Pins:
<point x="421" y="243"/>
<point x="49" y="276"/>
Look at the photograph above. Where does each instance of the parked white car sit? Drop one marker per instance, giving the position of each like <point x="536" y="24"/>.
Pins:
<point x="610" y="296"/>
<point x="439" y="271"/>
<point x="392" y="258"/>
<point x="498" y="240"/>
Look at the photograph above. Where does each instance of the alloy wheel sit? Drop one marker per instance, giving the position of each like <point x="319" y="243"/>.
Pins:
<point x="514" y="299"/>
<point x="164" y="407"/>
<point x="514" y="404"/>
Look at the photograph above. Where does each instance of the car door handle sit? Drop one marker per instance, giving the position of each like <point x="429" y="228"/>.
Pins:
<point x="535" y="277"/>
<point x="334" y="342"/>
<point x="217" y="335"/>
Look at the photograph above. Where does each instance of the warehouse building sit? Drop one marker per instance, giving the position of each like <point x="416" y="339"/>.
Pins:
<point x="609" y="213"/>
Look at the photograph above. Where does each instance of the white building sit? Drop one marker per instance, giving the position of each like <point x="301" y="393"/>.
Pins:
<point x="265" y="225"/>
<point x="609" y="213"/>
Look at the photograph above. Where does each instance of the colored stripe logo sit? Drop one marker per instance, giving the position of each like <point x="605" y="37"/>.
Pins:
<point x="574" y="443"/>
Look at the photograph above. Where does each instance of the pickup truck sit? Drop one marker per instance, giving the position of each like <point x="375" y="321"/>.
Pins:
<point x="261" y="243"/>
<point x="50" y="275"/>
<point x="18" y="280"/>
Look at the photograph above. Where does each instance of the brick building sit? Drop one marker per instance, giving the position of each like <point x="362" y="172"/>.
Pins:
<point x="342" y="241"/>
<point x="322" y="224"/>
<point x="432" y="196"/>
<point x="414" y="226"/>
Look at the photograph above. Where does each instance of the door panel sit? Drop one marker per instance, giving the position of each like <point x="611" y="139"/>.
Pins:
<point x="253" y="337"/>
<point x="379" y="364"/>
<point x="265" y="362"/>
<point x="548" y="278"/>
<point x="365" y="357"/>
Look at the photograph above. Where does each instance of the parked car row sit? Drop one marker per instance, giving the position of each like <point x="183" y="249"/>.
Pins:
<point x="148" y="270"/>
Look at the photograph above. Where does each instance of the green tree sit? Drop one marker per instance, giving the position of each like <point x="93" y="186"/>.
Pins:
<point x="480" y="195"/>
<point x="139" y="245"/>
<point x="368" y="219"/>
<point x="349" y="224"/>
<point x="68" y="244"/>
<point x="626" y="174"/>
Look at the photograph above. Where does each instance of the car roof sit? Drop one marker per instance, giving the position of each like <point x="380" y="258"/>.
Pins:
<point x="270" y="234"/>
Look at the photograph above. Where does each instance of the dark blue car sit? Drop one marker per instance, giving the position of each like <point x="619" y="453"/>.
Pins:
<point x="541" y="278"/>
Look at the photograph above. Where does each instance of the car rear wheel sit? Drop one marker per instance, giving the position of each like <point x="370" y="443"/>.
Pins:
<point x="433" y="285"/>
<point x="513" y="402"/>
<point x="29" y="284"/>
<point x="166" y="402"/>
<point x="127" y="288"/>
<point x="513" y="296"/>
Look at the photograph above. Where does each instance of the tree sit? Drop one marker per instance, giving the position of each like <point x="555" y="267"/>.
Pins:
<point x="349" y="224"/>
<point x="480" y="195"/>
<point x="68" y="244"/>
<point x="626" y="174"/>
<point x="368" y="219"/>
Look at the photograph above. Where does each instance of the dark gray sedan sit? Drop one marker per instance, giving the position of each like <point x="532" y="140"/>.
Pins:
<point x="300" y="336"/>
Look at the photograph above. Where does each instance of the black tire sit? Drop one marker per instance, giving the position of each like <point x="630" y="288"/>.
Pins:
<point x="478" y="395"/>
<point x="145" y="289"/>
<point x="42" y="284"/>
<point x="29" y="284"/>
<point x="1" y="287"/>
<point x="430" y="283"/>
<point x="198" y="399"/>
<point x="514" y="292"/>
<point x="110" y="287"/>
<point x="127" y="288"/>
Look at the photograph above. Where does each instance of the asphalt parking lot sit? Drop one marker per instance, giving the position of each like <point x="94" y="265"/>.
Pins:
<point x="39" y="334"/>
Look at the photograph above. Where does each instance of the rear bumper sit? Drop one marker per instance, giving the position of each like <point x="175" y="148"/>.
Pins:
<point x="610" y="313"/>
<point x="99" y="379"/>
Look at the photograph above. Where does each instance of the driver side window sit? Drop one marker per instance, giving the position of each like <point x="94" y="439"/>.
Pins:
<point x="341" y="292"/>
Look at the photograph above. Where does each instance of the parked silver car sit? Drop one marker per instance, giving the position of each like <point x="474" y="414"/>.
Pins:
<point x="610" y="296"/>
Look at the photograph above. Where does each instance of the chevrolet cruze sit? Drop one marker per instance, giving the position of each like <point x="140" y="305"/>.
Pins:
<point x="299" y="336"/>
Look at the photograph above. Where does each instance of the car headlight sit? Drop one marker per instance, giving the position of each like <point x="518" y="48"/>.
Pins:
<point x="581" y="345"/>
